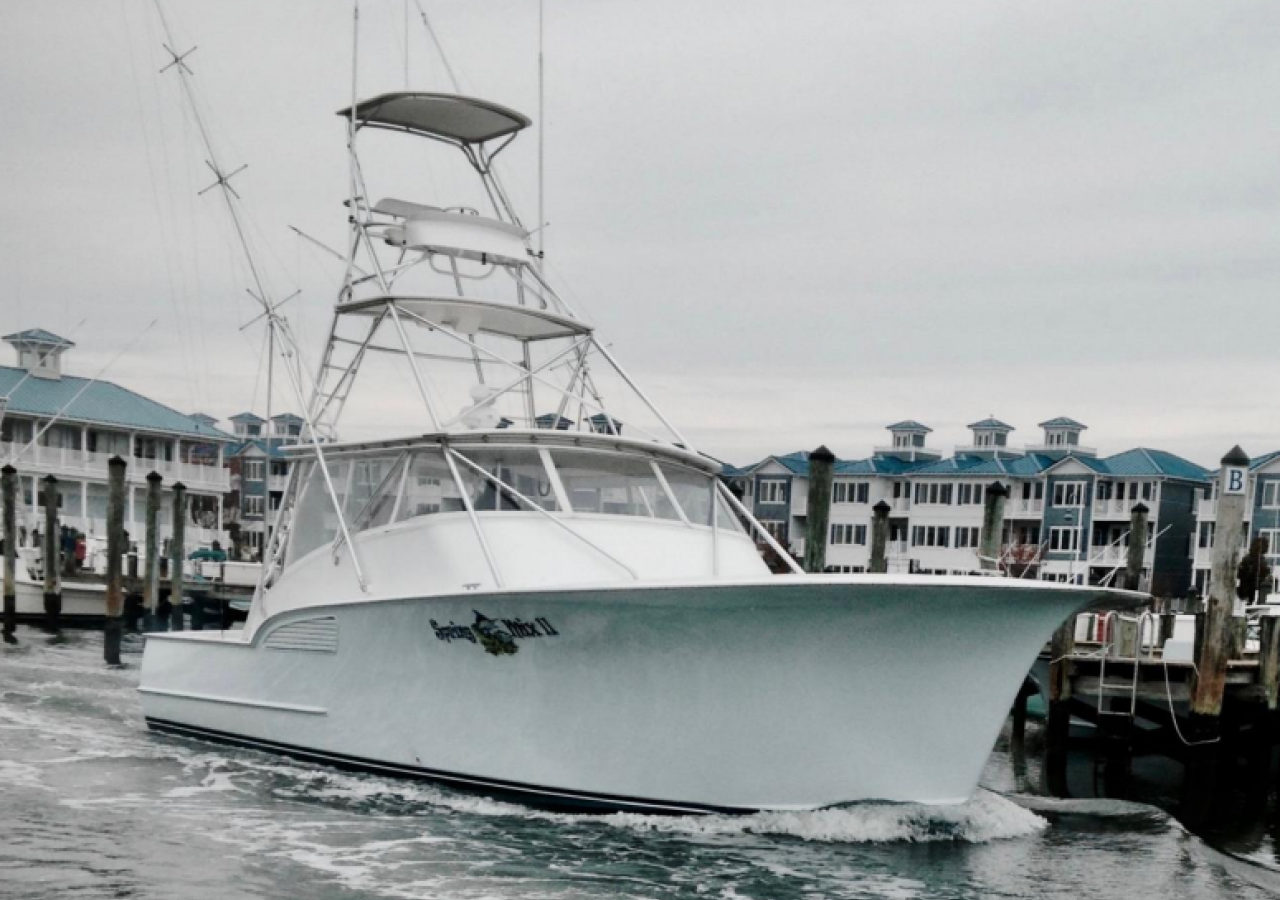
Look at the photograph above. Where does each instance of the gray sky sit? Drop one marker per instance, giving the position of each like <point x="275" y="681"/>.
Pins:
<point x="796" y="222"/>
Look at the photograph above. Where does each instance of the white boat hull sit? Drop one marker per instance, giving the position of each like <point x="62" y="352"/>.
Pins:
<point x="80" y="602"/>
<point x="772" y="693"/>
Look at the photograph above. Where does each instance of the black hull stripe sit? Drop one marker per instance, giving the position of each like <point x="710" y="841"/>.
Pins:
<point x="532" y="795"/>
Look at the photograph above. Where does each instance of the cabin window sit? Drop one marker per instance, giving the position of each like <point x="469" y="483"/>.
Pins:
<point x="429" y="487"/>
<point x="617" y="485"/>
<point x="518" y="468"/>
<point x="692" y="491"/>
<point x="315" y="520"/>
<point x="372" y="494"/>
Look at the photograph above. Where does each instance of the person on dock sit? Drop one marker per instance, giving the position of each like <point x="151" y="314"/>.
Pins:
<point x="80" y="551"/>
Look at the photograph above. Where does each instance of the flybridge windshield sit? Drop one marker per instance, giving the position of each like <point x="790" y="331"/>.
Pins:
<point x="382" y="490"/>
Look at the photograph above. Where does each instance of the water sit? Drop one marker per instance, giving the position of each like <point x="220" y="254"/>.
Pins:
<point x="92" y="805"/>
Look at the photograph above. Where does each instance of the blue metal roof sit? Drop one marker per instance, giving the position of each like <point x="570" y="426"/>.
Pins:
<point x="908" y="425"/>
<point x="246" y="417"/>
<point x="276" y="450"/>
<point x="876" y="465"/>
<point x="1156" y="463"/>
<point x="286" y="417"/>
<point x="991" y="423"/>
<point x="37" y="336"/>
<point x="101" y="403"/>
<point x="1062" y="422"/>
<point x="1259" y="461"/>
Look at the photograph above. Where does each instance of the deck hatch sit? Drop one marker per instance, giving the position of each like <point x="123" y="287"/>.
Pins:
<point x="318" y="635"/>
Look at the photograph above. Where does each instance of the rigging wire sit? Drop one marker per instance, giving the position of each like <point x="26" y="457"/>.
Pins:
<point x="163" y="230"/>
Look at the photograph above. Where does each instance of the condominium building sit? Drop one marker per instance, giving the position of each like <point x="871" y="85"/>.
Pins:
<point x="56" y="423"/>
<point x="1066" y="518"/>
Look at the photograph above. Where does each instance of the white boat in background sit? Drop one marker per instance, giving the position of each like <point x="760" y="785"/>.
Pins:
<point x="541" y="589"/>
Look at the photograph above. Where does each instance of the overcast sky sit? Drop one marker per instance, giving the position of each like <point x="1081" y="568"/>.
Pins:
<point x="795" y="222"/>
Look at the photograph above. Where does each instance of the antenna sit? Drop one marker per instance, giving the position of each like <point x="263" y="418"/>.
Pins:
<point x="542" y="130"/>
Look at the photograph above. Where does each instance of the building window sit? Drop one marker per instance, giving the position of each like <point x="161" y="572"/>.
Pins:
<point x="930" y="535"/>
<point x="850" y="492"/>
<point x="1068" y="493"/>
<point x="967" y="536"/>
<point x="1271" y="494"/>
<point x="253" y="470"/>
<point x="773" y="491"/>
<point x="860" y="535"/>
<point x="253" y="505"/>
<point x="970" y="494"/>
<point x="1272" y="537"/>
<point x="776" y="528"/>
<point x="842" y="534"/>
<point x="1065" y="540"/>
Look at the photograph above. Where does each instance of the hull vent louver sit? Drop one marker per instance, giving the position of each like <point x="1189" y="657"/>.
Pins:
<point x="310" y="635"/>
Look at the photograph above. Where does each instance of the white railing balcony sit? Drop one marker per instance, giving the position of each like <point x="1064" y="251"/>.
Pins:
<point x="1120" y="508"/>
<point x="896" y="548"/>
<point x="69" y="462"/>
<point x="1022" y="507"/>
<point x="1078" y="449"/>
<point x="1115" y="556"/>
<point x="900" y="504"/>
<point x="277" y="482"/>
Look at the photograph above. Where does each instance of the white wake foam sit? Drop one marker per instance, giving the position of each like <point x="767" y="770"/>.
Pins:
<point x="986" y="817"/>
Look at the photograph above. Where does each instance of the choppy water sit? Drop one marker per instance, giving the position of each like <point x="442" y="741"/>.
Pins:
<point x="92" y="805"/>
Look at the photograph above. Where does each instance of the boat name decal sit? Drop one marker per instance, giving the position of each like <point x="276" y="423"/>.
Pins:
<point x="497" y="636"/>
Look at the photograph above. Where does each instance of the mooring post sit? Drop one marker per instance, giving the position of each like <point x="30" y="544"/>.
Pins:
<point x="818" y="516"/>
<point x="151" y="572"/>
<point x="176" y="555"/>
<point x="1168" y="622"/>
<point x="1018" y="733"/>
<point x="1269" y="679"/>
<point x="992" y="526"/>
<point x="1269" y="660"/>
<point x="1137" y="547"/>
<point x="879" y="538"/>
<point x="1209" y="680"/>
<point x="52" y="556"/>
<point x="115" y="551"/>
<point x="1058" y="726"/>
<point x="8" y="487"/>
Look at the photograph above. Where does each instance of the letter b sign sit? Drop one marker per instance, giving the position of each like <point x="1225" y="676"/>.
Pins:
<point x="1233" y="481"/>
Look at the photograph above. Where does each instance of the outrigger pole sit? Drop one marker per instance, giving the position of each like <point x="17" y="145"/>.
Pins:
<point x="279" y="327"/>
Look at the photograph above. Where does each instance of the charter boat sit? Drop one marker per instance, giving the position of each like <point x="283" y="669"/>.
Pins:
<point x="540" y="588"/>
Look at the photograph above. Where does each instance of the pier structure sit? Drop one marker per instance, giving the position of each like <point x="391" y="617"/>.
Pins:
<point x="1200" y="688"/>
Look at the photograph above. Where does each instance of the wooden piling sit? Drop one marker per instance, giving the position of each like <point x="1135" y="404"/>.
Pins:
<point x="8" y="488"/>
<point x="151" y="570"/>
<point x="114" y="627"/>
<point x="1058" y="726"/>
<point x="177" y="554"/>
<point x="52" y="557"/>
<point x="992" y="526"/>
<point x="1137" y="547"/>
<point x="1168" y="622"/>
<point x="1237" y="635"/>
<point x="1269" y="660"/>
<point x="879" y="538"/>
<point x="818" y="515"/>
<point x="1208" y="682"/>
